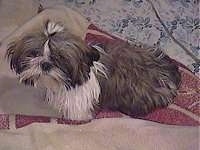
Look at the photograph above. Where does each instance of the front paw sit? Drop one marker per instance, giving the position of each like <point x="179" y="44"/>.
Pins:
<point x="82" y="116"/>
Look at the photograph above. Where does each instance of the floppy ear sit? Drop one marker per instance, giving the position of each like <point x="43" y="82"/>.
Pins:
<point x="13" y="57"/>
<point x="92" y="55"/>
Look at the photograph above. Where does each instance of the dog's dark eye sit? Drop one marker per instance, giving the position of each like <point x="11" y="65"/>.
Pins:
<point x="34" y="53"/>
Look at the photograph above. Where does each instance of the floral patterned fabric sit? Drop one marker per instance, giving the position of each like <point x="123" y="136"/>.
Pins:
<point x="134" y="20"/>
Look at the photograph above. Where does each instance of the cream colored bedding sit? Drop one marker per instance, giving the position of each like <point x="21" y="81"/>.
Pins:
<point x="102" y="134"/>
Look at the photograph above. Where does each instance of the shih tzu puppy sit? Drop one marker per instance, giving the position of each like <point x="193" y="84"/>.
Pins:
<point x="81" y="79"/>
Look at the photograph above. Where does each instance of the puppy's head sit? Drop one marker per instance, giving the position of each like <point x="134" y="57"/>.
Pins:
<point x="54" y="54"/>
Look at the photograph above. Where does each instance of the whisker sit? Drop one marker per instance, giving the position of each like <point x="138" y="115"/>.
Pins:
<point x="100" y="69"/>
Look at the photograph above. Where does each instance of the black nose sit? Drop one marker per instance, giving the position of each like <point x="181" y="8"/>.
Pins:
<point x="46" y="66"/>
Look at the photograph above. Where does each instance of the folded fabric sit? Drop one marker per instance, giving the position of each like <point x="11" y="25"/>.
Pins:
<point x="13" y="15"/>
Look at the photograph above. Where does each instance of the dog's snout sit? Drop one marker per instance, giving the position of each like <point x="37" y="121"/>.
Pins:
<point x="46" y="66"/>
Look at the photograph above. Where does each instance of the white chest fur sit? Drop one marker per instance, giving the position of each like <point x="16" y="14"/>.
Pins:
<point x="76" y="103"/>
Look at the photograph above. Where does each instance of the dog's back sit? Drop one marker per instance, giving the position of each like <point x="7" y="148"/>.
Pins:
<point x="139" y="79"/>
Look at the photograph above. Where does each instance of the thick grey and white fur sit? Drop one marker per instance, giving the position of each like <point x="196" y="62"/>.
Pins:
<point x="80" y="80"/>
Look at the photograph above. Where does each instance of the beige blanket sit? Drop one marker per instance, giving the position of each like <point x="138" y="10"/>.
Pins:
<point x="103" y="134"/>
